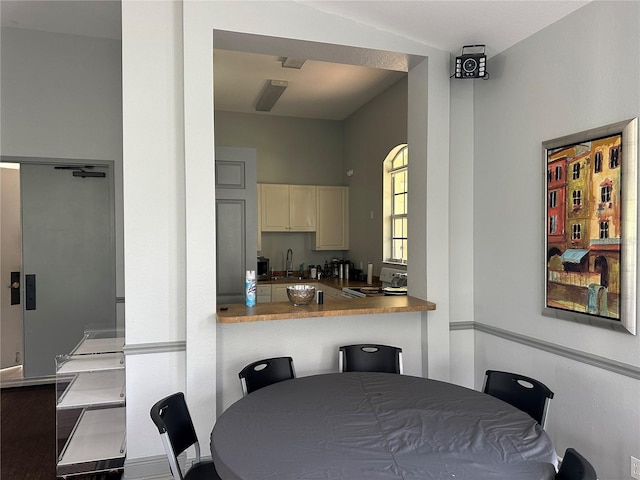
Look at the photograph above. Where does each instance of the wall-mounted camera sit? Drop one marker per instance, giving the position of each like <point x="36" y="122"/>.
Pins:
<point x="472" y="62"/>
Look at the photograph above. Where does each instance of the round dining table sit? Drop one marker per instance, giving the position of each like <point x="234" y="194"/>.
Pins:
<point x="369" y="426"/>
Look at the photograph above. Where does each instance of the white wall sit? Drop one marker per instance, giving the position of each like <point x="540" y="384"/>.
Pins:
<point x="153" y="67"/>
<point x="154" y="205"/>
<point x="313" y="343"/>
<point x="461" y="227"/>
<point x="579" y="73"/>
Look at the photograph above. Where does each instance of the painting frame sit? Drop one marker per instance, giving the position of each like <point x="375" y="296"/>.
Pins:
<point x="591" y="252"/>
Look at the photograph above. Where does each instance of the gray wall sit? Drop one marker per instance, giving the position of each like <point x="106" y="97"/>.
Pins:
<point x="290" y="150"/>
<point x="581" y="72"/>
<point x="61" y="96"/>
<point x="370" y="134"/>
<point x="319" y="152"/>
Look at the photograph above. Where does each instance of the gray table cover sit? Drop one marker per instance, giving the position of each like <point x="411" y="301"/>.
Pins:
<point x="371" y="426"/>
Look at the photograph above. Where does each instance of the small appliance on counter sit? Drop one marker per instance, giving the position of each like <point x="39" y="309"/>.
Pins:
<point x="393" y="281"/>
<point x="262" y="268"/>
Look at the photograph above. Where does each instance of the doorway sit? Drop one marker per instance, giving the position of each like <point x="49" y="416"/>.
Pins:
<point x="67" y="260"/>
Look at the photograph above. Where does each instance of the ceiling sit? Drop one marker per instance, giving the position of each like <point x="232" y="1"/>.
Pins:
<point x="320" y="89"/>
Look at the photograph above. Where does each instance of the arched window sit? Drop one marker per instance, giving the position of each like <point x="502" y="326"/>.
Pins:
<point x="395" y="187"/>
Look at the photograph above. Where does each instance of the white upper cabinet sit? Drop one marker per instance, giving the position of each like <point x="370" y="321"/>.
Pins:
<point x="332" y="231"/>
<point x="302" y="213"/>
<point x="287" y="208"/>
<point x="259" y="196"/>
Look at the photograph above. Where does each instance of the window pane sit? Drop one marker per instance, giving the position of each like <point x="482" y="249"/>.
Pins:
<point x="400" y="250"/>
<point x="400" y="160"/>
<point x="400" y="204"/>
<point x="399" y="227"/>
<point x="400" y="182"/>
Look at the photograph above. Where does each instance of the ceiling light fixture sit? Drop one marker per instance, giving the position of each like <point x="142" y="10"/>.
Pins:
<point x="270" y="94"/>
<point x="472" y="62"/>
<point x="288" y="62"/>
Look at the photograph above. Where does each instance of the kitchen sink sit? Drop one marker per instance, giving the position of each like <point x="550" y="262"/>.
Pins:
<point x="292" y="279"/>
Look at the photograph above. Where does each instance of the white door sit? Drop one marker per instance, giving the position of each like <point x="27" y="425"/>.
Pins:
<point x="68" y="260"/>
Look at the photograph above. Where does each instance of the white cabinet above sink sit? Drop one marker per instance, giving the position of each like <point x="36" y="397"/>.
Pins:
<point x="287" y="208"/>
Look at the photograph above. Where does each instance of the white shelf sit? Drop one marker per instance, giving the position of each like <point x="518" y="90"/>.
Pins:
<point x="94" y="388"/>
<point x="91" y="388"/>
<point x="99" y="435"/>
<point x="91" y="363"/>
<point x="90" y="345"/>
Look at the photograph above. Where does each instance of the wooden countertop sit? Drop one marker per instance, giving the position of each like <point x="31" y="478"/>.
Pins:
<point x="237" y="313"/>
<point x="338" y="283"/>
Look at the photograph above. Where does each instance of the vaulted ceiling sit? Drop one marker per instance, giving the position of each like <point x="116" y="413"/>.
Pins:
<point x="322" y="90"/>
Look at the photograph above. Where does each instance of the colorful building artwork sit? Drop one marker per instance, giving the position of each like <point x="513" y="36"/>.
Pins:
<point x="584" y="227"/>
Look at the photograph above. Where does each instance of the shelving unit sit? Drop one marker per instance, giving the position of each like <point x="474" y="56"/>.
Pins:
<point x="90" y="406"/>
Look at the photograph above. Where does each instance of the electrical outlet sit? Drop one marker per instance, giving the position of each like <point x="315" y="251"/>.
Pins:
<point x="635" y="468"/>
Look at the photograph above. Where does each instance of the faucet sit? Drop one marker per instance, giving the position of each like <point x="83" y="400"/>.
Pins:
<point x="289" y="263"/>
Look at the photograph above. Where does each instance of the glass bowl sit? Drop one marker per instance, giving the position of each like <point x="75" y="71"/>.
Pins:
<point x="301" y="294"/>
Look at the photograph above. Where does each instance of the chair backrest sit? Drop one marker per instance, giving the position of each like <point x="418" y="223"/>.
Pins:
<point x="525" y="393"/>
<point x="265" y="372"/>
<point x="171" y="417"/>
<point x="370" y="358"/>
<point x="575" y="467"/>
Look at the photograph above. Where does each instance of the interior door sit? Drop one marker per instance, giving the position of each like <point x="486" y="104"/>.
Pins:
<point x="68" y="258"/>
<point x="236" y="221"/>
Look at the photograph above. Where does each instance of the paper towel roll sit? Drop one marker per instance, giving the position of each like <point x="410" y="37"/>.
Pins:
<point x="370" y="273"/>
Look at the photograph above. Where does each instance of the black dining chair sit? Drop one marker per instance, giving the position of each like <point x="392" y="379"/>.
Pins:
<point x="171" y="417"/>
<point x="575" y="467"/>
<point x="370" y="358"/>
<point x="524" y="393"/>
<point x="265" y="372"/>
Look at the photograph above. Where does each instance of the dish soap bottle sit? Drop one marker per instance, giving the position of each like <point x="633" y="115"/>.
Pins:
<point x="250" y="288"/>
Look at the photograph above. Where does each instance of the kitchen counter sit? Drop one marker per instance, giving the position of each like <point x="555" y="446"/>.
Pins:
<point x="237" y="313"/>
<point x="329" y="282"/>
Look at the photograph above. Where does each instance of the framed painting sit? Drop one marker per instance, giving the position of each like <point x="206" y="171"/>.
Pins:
<point x="591" y="226"/>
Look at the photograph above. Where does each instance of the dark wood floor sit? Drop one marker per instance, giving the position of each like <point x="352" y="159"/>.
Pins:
<point x="28" y="435"/>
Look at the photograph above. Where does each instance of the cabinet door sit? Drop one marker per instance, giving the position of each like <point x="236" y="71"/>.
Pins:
<point x="302" y="208"/>
<point x="332" y="229"/>
<point x="263" y="294"/>
<point x="259" y="193"/>
<point x="275" y="207"/>
<point x="279" y="293"/>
